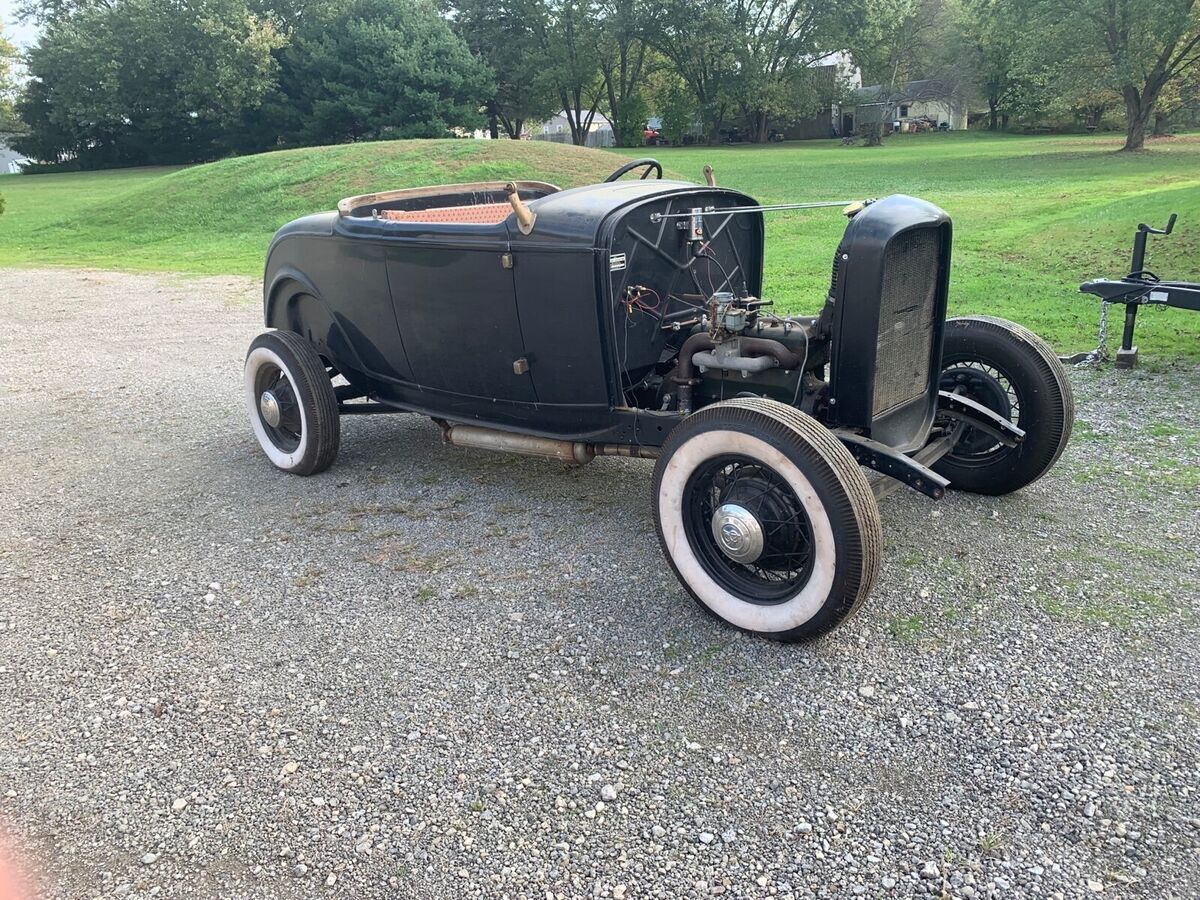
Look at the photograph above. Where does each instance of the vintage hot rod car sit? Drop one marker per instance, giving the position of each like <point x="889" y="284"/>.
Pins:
<point x="625" y="318"/>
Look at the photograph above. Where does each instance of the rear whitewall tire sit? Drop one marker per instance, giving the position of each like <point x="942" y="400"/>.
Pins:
<point x="318" y="439"/>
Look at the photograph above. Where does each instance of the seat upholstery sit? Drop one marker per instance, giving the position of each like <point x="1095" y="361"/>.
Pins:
<point x="476" y="214"/>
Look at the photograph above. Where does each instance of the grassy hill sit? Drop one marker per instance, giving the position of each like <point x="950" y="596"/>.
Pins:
<point x="1033" y="216"/>
<point x="217" y="218"/>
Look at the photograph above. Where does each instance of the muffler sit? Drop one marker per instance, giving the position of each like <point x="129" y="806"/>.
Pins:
<point x="574" y="453"/>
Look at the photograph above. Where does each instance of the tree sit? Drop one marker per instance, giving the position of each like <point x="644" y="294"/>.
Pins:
<point x="993" y="32"/>
<point x="7" y="118"/>
<point x="1143" y="45"/>
<point x="507" y="35"/>
<point x="755" y="57"/>
<point x="546" y="55"/>
<point x="46" y="11"/>
<point x="1177" y="95"/>
<point x="697" y="37"/>
<point x="774" y="79"/>
<point x="8" y="53"/>
<point x="674" y="102"/>
<point x="143" y="81"/>
<point x="570" y="42"/>
<point x="623" y="66"/>
<point x="373" y="69"/>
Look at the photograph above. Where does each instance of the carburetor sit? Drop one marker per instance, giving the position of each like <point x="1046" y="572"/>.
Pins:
<point x="728" y="315"/>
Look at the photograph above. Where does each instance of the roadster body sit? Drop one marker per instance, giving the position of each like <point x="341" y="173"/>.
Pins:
<point x="626" y="318"/>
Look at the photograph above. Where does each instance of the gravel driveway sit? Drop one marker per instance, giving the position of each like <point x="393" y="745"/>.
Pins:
<point x="433" y="672"/>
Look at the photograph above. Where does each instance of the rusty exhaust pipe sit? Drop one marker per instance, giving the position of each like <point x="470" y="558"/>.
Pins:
<point x="574" y="453"/>
<point x="571" y="452"/>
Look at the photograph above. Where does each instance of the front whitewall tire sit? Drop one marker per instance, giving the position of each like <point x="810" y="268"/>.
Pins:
<point x="776" y="617"/>
<point x="830" y="488"/>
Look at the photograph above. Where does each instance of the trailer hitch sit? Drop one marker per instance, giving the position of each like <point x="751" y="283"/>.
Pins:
<point x="1140" y="287"/>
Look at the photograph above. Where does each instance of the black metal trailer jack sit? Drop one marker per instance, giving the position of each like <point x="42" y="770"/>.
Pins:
<point x="1140" y="287"/>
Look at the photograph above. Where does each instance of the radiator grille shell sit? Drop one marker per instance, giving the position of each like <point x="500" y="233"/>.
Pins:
<point x="887" y="312"/>
<point x="906" y="319"/>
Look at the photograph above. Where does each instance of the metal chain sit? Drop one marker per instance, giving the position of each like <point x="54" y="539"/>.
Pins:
<point x="1101" y="353"/>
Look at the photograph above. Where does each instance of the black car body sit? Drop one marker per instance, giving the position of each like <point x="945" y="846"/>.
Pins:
<point x="599" y="320"/>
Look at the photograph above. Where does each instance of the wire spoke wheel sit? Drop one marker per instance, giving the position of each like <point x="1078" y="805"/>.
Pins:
<point x="1015" y="374"/>
<point x="766" y="518"/>
<point x="991" y="387"/>
<point x="749" y="529"/>
<point x="291" y="403"/>
<point x="278" y="408"/>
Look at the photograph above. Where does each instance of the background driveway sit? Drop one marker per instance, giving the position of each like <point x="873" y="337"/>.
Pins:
<point x="432" y="672"/>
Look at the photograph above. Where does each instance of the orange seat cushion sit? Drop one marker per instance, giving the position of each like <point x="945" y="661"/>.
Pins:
<point x="479" y="214"/>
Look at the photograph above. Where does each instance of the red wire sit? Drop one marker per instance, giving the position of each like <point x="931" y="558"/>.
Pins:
<point x="637" y="300"/>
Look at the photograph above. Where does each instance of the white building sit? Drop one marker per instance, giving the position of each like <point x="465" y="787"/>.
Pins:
<point x="928" y="99"/>
<point x="558" y="129"/>
<point x="11" y="161"/>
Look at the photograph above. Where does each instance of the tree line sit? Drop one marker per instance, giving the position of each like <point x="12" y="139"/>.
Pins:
<point x="135" y="82"/>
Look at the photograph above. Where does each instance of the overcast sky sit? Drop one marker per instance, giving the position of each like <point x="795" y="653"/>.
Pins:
<point x="21" y="35"/>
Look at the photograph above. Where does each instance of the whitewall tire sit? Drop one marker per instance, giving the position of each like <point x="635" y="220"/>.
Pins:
<point x="766" y="519"/>
<point x="291" y="403"/>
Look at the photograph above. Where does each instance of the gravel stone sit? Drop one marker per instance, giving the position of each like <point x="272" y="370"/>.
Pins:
<point x="445" y="645"/>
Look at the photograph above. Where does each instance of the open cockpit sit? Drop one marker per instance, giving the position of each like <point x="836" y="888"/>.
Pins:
<point x="478" y="203"/>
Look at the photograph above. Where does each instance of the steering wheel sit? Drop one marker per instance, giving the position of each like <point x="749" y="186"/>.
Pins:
<point x="650" y="164"/>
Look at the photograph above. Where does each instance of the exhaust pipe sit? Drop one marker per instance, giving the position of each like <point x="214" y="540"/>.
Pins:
<point x="574" y="453"/>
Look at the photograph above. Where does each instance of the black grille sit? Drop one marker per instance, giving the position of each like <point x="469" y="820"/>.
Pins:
<point x="906" y="327"/>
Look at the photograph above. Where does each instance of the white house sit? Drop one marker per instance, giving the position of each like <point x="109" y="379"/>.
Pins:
<point x="558" y="129"/>
<point x="928" y="99"/>
<point x="11" y="161"/>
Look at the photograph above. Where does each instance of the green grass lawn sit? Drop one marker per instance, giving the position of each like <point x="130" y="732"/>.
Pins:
<point x="218" y="218"/>
<point x="1033" y="216"/>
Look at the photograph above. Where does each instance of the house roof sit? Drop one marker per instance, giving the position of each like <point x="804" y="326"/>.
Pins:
<point x="599" y="120"/>
<point x="8" y="156"/>
<point x="922" y="89"/>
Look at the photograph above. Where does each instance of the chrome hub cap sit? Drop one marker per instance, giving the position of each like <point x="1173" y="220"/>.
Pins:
<point x="268" y="406"/>
<point x="738" y="533"/>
